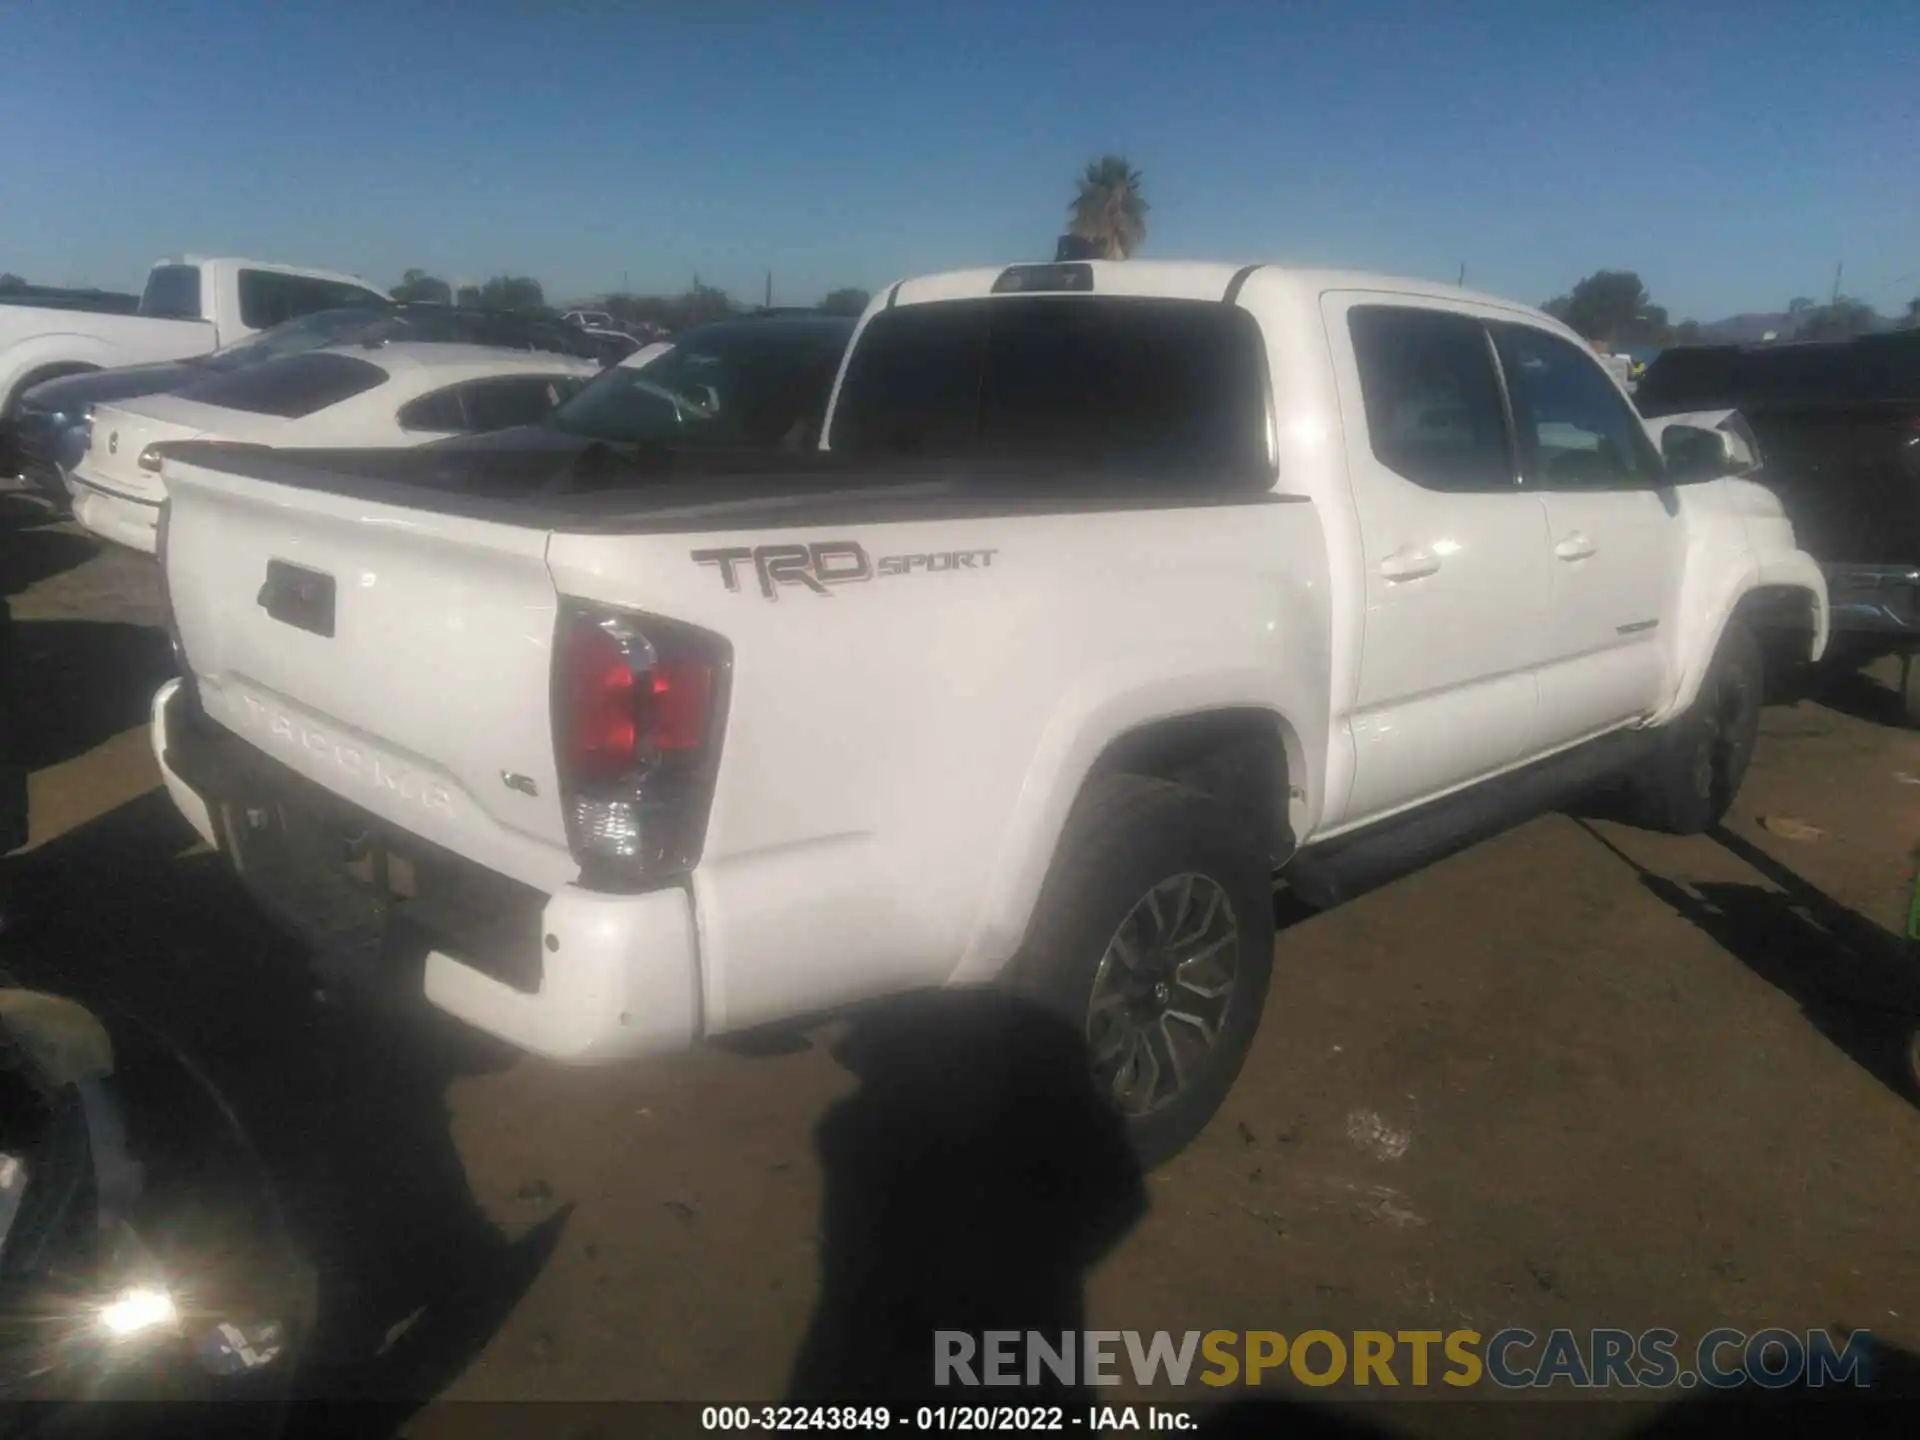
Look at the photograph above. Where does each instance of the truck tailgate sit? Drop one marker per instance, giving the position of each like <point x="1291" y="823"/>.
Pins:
<point x="397" y="657"/>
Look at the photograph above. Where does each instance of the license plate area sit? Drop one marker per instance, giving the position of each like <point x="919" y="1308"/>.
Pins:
<point x="368" y="897"/>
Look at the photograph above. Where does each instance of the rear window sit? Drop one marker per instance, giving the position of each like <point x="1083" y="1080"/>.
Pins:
<point x="1114" y="384"/>
<point x="291" y="386"/>
<point x="173" y="293"/>
<point x="269" y="298"/>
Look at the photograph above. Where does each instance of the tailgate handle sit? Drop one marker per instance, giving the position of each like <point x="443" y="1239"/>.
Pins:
<point x="299" y="597"/>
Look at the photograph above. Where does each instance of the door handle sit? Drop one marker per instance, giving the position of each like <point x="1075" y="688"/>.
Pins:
<point x="1409" y="564"/>
<point x="1576" y="547"/>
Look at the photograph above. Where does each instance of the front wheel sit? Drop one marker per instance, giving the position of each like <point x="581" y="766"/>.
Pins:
<point x="1703" y="755"/>
<point x="1154" y="937"/>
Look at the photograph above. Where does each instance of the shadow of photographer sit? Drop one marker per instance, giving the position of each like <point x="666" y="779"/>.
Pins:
<point x="975" y="1176"/>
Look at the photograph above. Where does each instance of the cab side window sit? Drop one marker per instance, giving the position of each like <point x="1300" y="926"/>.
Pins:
<point x="1434" y="410"/>
<point x="1575" y="429"/>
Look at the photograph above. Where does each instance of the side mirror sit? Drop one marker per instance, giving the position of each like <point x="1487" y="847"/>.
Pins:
<point x="1694" y="453"/>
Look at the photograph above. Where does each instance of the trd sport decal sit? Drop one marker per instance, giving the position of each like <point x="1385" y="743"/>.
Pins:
<point x="830" y="562"/>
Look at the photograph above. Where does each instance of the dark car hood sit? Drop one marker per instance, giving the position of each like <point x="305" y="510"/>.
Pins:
<point x="73" y="394"/>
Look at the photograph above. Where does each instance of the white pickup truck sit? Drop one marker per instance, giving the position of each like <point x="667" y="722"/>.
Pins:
<point x="1119" y="588"/>
<point x="192" y="305"/>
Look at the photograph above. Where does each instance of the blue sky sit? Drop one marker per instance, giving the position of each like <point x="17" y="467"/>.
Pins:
<point x="1730" y="153"/>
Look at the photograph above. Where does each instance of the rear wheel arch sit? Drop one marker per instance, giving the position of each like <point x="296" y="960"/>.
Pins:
<point x="39" y="375"/>
<point x="1245" y="757"/>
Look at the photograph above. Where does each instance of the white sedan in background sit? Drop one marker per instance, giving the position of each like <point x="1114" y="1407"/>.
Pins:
<point x="346" y="397"/>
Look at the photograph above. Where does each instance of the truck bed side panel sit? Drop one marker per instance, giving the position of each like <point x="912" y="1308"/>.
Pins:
<point x="901" y="750"/>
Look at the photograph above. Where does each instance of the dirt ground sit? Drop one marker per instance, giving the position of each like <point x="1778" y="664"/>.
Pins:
<point x="1581" y="1075"/>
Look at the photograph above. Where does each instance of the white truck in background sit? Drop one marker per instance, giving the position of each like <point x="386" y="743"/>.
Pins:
<point x="1118" y="588"/>
<point x="192" y="305"/>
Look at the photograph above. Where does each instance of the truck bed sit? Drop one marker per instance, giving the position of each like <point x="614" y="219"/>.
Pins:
<point x="669" y="491"/>
<point x="98" y="302"/>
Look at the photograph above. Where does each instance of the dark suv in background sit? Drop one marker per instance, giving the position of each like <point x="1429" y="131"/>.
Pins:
<point x="1838" y="425"/>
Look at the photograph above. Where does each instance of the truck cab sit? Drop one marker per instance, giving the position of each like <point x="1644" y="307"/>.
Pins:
<point x="191" y="305"/>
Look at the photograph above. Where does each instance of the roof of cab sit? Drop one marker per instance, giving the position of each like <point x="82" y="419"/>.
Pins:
<point x="1189" y="280"/>
<point x="277" y="267"/>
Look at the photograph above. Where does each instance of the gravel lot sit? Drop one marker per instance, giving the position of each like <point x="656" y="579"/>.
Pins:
<point x="1581" y="1075"/>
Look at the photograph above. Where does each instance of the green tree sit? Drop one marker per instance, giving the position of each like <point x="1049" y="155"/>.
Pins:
<point x="1911" y="320"/>
<point x="1799" y="305"/>
<point x="1688" y="333"/>
<point x="849" y="301"/>
<point x="1611" y="305"/>
<point x="513" y="292"/>
<point x="1842" y="320"/>
<point x="700" y="305"/>
<point x="11" y="281"/>
<point x="1109" y="212"/>
<point x="420" y="287"/>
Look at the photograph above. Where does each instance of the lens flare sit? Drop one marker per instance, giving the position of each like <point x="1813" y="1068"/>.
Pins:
<point x="136" y="1310"/>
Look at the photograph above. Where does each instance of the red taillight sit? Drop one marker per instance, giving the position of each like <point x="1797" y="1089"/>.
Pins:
<point x="603" y="734"/>
<point x="624" y="704"/>
<point x="637" y="706"/>
<point x="679" y="700"/>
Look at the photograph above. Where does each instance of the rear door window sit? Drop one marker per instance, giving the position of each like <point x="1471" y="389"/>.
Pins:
<point x="291" y="386"/>
<point x="269" y="297"/>
<point x="1432" y="395"/>
<point x="1110" y="384"/>
<point x="173" y="293"/>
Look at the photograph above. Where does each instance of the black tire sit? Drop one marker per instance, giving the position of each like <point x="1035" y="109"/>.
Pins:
<point x="1910" y="689"/>
<point x="1703" y="755"/>
<point x="1131" y="837"/>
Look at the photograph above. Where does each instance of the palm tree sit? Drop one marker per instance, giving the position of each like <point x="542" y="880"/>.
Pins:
<point x="1108" y="212"/>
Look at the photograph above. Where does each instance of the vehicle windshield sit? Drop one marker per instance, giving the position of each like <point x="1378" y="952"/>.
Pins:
<point x="742" y="385"/>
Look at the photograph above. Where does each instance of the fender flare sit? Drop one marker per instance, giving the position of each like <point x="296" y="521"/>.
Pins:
<point x="1794" y="571"/>
<point x="1074" y="742"/>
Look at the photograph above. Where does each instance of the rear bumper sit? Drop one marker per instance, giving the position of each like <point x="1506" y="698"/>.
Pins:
<point x="112" y="514"/>
<point x="605" y="977"/>
<point x="1881" y="600"/>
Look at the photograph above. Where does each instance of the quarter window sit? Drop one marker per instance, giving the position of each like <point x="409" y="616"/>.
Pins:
<point x="518" y="400"/>
<point x="1434" y="410"/>
<point x="440" y="410"/>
